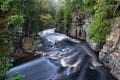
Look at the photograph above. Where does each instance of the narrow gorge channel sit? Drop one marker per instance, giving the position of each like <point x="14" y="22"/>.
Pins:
<point x="60" y="57"/>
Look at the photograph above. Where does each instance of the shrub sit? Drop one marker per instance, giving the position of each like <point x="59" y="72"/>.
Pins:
<point x="3" y="69"/>
<point x="17" y="76"/>
<point x="100" y="26"/>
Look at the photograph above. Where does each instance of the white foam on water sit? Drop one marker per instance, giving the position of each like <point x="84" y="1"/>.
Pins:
<point x="48" y="31"/>
<point x="56" y="37"/>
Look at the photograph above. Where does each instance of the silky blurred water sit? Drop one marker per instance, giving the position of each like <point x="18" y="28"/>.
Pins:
<point x="63" y="59"/>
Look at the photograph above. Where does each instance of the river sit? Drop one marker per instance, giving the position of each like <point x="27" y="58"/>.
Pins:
<point x="62" y="58"/>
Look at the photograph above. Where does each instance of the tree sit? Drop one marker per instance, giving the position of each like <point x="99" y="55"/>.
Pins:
<point x="36" y="14"/>
<point x="65" y="9"/>
<point x="25" y="16"/>
<point x="11" y="14"/>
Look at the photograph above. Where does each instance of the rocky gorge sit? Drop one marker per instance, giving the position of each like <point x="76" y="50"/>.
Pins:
<point x="59" y="57"/>
<point x="109" y="51"/>
<point x="59" y="39"/>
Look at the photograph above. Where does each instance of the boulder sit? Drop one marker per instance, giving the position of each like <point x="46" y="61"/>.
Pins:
<point x="27" y="42"/>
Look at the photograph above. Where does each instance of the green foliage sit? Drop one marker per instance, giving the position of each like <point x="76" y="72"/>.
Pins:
<point x="16" y="20"/>
<point x="17" y="76"/>
<point x="102" y="10"/>
<point x="4" y="54"/>
<point x="11" y="14"/>
<point x="86" y="1"/>
<point x="5" y="5"/>
<point x="3" y="69"/>
<point x="37" y="13"/>
<point x="88" y="7"/>
<point x="63" y="12"/>
<point x="59" y="14"/>
<point x="13" y="6"/>
<point x="65" y="23"/>
<point x="14" y="15"/>
<point x="68" y="8"/>
<point x="100" y="26"/>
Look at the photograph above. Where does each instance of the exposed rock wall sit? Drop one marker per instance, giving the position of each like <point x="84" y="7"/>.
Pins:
<point x="82" y="31"/>
<point x="75" y="27"/>
<point x="110" y="53"/>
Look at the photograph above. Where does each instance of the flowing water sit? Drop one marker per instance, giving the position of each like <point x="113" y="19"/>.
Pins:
<point x="62" y="58"/>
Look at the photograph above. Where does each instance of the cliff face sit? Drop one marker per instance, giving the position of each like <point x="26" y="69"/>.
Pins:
<point x="109" y="53"/>
<point x="81" y="29"/>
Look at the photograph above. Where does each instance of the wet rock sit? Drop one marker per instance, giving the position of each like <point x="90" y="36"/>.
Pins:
<point x="65" y="60"/>
<point x="82" y="32"/>
<point x="110" y="53"/>
<point x="27" y="42"/>
<point x="95" y="46"/>
<point x="75" y="26"/>
<point x="59" y="28"/>
<point x="74" y="31"/>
